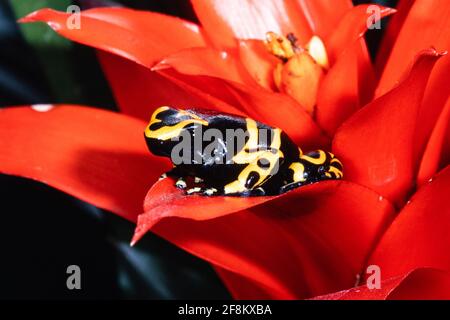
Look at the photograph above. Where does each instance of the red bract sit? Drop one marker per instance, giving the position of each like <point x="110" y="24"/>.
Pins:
<point x="312" y="241"/>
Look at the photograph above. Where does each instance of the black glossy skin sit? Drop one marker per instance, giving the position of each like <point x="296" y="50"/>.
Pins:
<point x="217" y="177"/>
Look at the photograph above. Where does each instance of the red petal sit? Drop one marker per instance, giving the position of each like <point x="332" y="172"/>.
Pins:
<point x="95" y="155"/>
<point x="165" y="200"/>
<point x="376" y="144"/>
<point x="242" y="288"/>
<point x="344" y="88"/>
<point x="143" y="37"/>
<point x="252" y="19"/>
<point x="307" y="242"/>
<point x="258" y="61"/>
<point x="427" y="24"/>
<point x="423" y="284"/>
<point x="350" y="28"/>
<point x="224" y="21"/>
<point x="139" y="91"/>
<point x="323" y="16"/>
<point x="420" y="284"/>
<point x="208" y="62"/>
<point x="350" y="81"/>
<point x="391" y="33"/>
<point x="419" y="236"/>
<point x="437" y="148"/>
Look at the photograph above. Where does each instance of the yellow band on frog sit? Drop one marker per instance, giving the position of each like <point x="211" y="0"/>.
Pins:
<point x="169" y="132"/>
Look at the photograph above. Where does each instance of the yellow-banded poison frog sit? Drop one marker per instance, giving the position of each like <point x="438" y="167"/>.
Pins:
<point x="223" y="154"/>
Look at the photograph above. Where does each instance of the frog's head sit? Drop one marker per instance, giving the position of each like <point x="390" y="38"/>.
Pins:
<point x="321" y="165"/>
<point x="315" y="166"/>
<point x="166" y="127"/>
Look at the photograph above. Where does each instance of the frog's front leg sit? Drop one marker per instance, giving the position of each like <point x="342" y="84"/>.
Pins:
<point x="256" y="177"/>
<point x="177" y="175"/>
<point x="186" y="181"/>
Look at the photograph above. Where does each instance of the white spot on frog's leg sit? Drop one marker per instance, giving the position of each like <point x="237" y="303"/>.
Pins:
<point x="181" y="184"/>
<point x="42" y="107"/>
<point x="380" y="198"/>
<point x="210" y="191"/>
<point x="193" y="190"/>
<point x="198" y="180"/>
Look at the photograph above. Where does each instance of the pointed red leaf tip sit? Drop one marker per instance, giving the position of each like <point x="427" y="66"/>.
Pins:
<point x="165" y="200"/>
<point x="344" y="88"/>
<point x="419" y="284"/>
<point x="307" y="242"/>
<point x="427" y="24"/>
<point x="351" y="27"/>
<point x="419" y="236"/>
<point x="140" y="36"/>
<point x="95" y="155"/>
<point x="391" y="34"/>
<point x="350" y="81"/>
<point x="376" y="144"/>
<point x="208" y="62"/>
<point x="437" y="151"/>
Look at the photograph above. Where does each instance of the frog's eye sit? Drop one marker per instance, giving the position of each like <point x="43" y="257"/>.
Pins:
<point x="252" y="179"/>
<point x="263" y="163"/>
<point x="322" y="169"/>
<point x="323" y="165"/>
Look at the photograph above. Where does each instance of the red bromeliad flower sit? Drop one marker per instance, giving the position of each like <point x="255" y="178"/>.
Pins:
<point x="388" y="125"/>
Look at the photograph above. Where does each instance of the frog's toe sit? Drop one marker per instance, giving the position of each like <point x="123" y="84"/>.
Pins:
<point x="181" y="184"/>
<point x="202" y="191"/>
<point x="194" y="190"/>
<point x="209" y="191"/>
<point x="198" y="180"/>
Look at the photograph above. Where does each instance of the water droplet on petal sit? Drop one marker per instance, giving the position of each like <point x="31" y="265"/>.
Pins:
<point x="430" y="180"/>
<point x="54" y="25"/>
<point x="380" y="198"/>
<point x="42" y="107"/>
<point x="223" y="54"/>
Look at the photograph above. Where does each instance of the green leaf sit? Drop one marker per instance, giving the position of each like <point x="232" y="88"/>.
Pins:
<point x="53" y="51"/>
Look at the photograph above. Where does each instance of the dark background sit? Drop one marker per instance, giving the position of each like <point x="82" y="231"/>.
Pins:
<point x="42" y="230"/>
